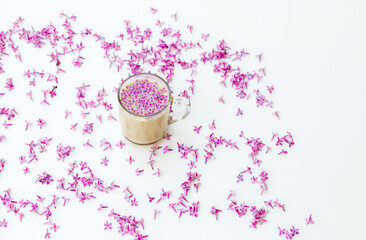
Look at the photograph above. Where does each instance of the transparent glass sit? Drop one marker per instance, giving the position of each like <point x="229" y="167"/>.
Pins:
<point x="148" y="129"/>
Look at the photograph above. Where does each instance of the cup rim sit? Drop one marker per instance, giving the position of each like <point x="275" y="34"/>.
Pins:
<point x="138" y="115"/>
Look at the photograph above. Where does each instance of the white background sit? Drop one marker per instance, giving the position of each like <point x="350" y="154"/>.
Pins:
<point x="315" y="56"/>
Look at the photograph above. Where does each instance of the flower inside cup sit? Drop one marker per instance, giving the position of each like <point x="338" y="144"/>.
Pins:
<point x="144" y="97"/>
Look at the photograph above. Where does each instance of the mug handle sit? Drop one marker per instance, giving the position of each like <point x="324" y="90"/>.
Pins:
<point x="185" y="104"/>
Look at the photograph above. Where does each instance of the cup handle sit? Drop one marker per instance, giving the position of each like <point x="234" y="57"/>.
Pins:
<point x="185" y="106"/>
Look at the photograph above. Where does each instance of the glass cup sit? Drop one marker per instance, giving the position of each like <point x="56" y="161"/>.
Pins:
<point x="147" y="129"/>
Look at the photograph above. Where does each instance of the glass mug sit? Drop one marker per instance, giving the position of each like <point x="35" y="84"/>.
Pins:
<point x="147" y="129"/>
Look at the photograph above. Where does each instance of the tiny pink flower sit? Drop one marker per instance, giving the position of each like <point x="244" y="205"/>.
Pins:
<point x="107" y="225"/>
<point x="309" y="220"/>
<point x="41" y="123"/>
<point x="104" y="161"/>
<point x="212" y="125"/>
<point x="3" y="223"/>
<point x="130" y="160"/>
<point x="197" y="129"/>
<point x="138" y="171"/>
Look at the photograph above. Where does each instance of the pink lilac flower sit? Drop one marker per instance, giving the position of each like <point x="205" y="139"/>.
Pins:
<point x="240" y="175"/>
<point x="2" y="164"/>
<point x="239" y="209"/>
<point x="88" y="128"/>
<point x="167" y="137"/>
<point x="6" y="125"/>
<point x="197" y="129"/>
<point x="63" y="151"/>
<point x="205" y="36"/>
<point x="150" y="198"/>
<point x="110" y="117"/>
<point x="153" y="10"/>
<point x="28" y="124"/>
<point x="259" y="56"/>
<point x="274" y="204"/>
<point x="44" y="178"/>
<point x="239" y="112"/>
<point x="84" y="196"/>
<point x="47" y="235"/>
<point x="238" y="55"/>
<point x="101" y="207"/>
<point x="215" y="211"/>
<point x="282" y="152"/>
<point x="107" y="225"/>
<point x="99" y="117"/>
<point x="164" y="195"/>
<point x="190" y="28"/>
<point x="105" y="144"/>
<point x="212" y="125"/>
<point x="3" y="223"/>
<point x="41" y="123"/>
<point x="232" y="194"/>
<point x="258" y="216"/>
<point x="174" y="16"/>
<point x="138" y="171"/>
<point x="22" y="159"/>
<point x="134" y="202"/>
<point x="193" y="210"/>
<point x="26" y="170"/>
<point x="9" y="84"/>
<point x="73" y="126"/>
<point x="309" y="220"/>
<point x="130" y="160"/>
<point x="156" y="212"/>
<point x="120" y="144"/>
<point x="289" y="234"/>
<point x="84" y="114"/>
<point x="54" y="227"/>
<point x="167" y="149"/>
<point x="104" y="161"/>
<point x="270" y="88"/>
<point x="29" y="94"/>
<point x="263" y="71"/>
<point x="40" y="199"/>
<point x="276" y="114"/>
<point x="87" y="143"/>
<point x="53" y="92"/>
<point x="143" y="97"/>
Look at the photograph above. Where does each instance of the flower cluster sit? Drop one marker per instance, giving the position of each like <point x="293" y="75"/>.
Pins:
<point x="128" y="225"/>
<point x="193" y="210"/>
<point x="129" y="197"/>
<point x="9" y="114"/>
<point x="44" y="178"/>
<point x="240" y="209"/>
<point x="289" y="234"/>
<point x="285" y="140"/>
<point x="256" y="146"/>
<point x="144" y="97"/>
<point x="215" y="211"/>
<point x="274" y="204"/>
<point x="214" y="142"/>
<point x="258" y="216"/>
<point x="63" y="151"/>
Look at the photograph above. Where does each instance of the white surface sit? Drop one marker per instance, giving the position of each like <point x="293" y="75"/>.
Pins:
<point x="315" y="56"/>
